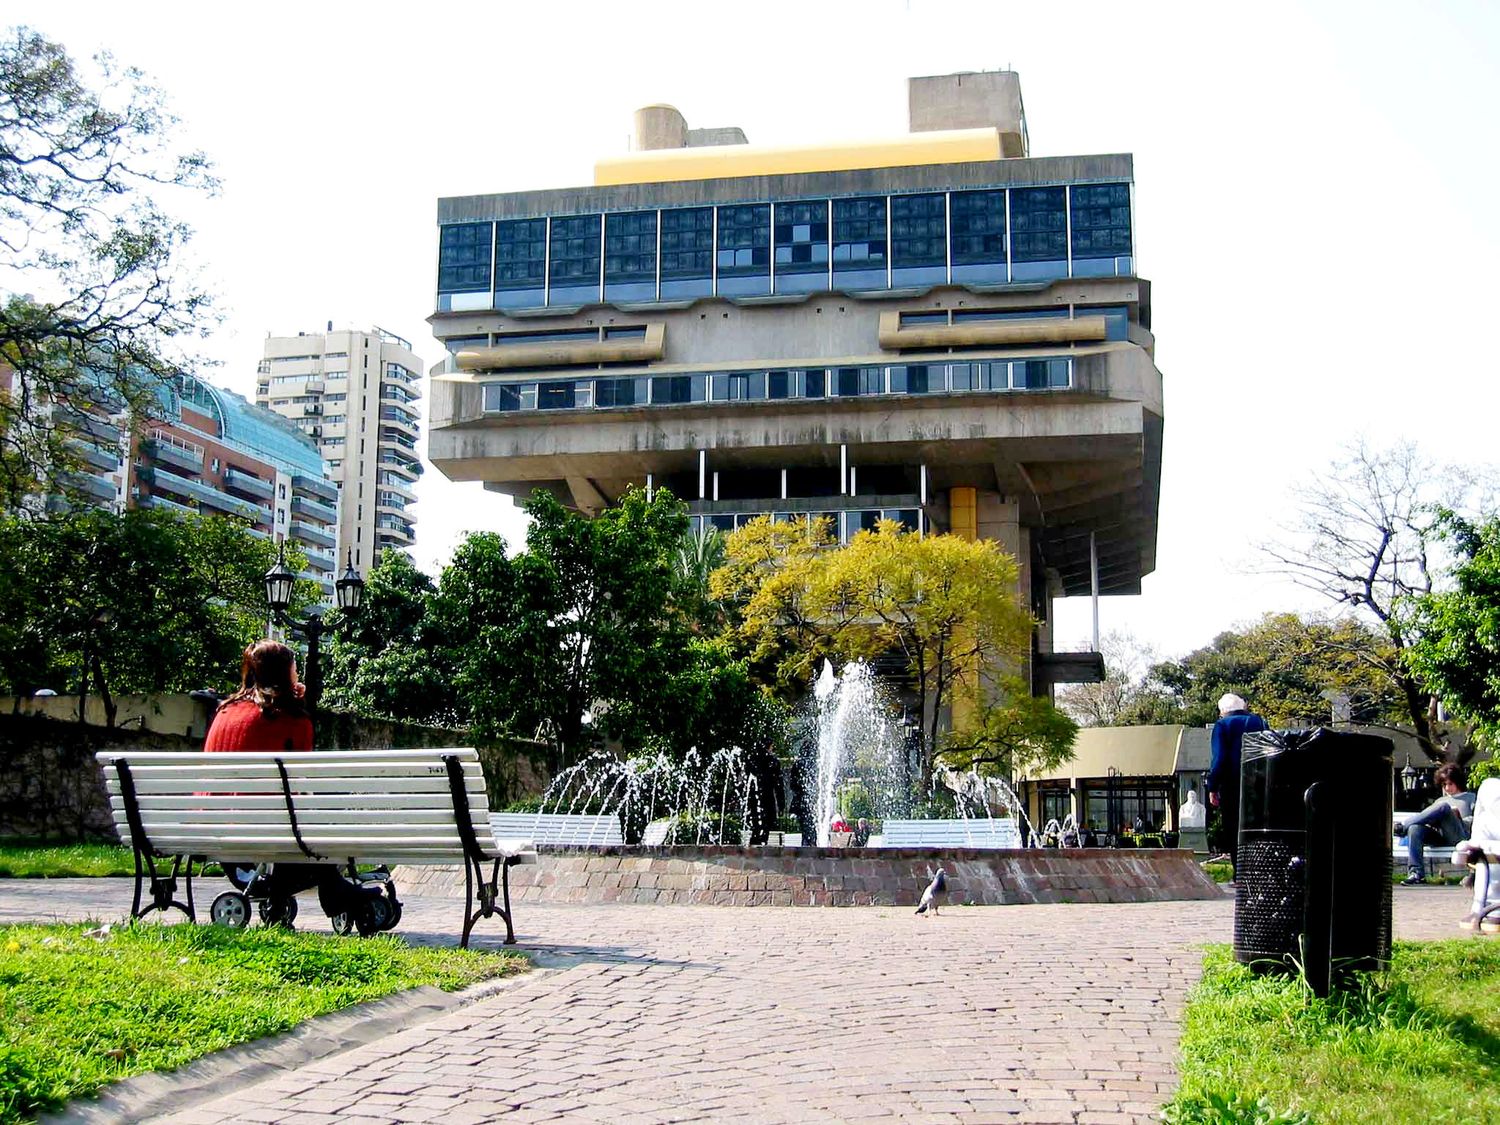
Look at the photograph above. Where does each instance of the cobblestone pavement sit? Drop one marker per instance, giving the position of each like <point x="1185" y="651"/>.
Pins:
<point x="1059" y="1013"/>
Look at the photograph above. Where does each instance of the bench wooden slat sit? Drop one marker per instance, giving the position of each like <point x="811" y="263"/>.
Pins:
<point x="184" y="783"/>
<point x="559" y="828"/>
<point x="167" y="802"/>
<point x="464" y="754"/>
<point x="225" y="813"/>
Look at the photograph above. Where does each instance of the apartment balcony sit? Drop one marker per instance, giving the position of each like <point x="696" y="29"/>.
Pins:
<point x="306" y="506"/>
<point x="406" y="426"/>
<point x="208" y="496"/>
<point x="92" y="425"/>
<point x="96" y="488"/>
<point x="390" y="460"/>
<point x="258" y="533"/>
<point x="401" y="533"/>
<point x="399" y="485"/>
<point x="321" y="561"/>
<point x="324" y="583"/>
<point x="400" y="393"/>
<point x="246" y="485"/>
<point x="107" y="460"/>
<point x="166" y="450"/>
<point x="393" y="436"/>
<point x="317" y="536"/>
<point x="166" y="505"/>
<point x="316" y="486"/>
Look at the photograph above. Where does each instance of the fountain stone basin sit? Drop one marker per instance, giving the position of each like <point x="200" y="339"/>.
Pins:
<point x="786" y="876"/>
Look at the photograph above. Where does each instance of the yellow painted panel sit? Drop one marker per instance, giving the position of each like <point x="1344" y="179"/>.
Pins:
<point x="714" y="162"/>
<point x="963" y="512"/>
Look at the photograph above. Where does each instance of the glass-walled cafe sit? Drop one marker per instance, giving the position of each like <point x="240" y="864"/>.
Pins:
<point x="1122" y="780"/>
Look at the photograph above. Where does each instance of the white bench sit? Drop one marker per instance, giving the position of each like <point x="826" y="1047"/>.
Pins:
<point x="998" y="833"/>
<point x="424" y="806"/>
<point x="557" y="828"/>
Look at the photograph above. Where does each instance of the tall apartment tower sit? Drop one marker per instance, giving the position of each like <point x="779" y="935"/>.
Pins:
<point x="938" y="328"/>
<point x="354" y="393"/>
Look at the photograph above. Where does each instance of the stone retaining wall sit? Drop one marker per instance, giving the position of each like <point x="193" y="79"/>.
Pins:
<point x="728" y="876"/>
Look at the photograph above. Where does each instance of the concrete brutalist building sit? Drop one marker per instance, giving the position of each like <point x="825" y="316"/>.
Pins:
<point x="937" y="328"/>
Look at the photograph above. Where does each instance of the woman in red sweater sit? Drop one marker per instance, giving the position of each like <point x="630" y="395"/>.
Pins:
<point x="267" y="712"/>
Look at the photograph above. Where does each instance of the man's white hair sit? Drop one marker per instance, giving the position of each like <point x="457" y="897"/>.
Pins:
<point x="1229" y="702"/>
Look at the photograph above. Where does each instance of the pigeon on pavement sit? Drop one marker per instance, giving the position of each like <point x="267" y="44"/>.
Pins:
<point x="935" y="895"/>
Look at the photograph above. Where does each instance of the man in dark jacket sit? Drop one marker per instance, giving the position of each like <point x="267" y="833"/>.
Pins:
<point x="1235" y="721"/>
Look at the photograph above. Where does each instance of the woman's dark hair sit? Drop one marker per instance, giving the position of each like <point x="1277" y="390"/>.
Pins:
<point x="1451" y="772"/>
<point x="266" y="680"/>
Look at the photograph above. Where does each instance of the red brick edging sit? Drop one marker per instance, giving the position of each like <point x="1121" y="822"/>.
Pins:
<point x="730" y="876"/>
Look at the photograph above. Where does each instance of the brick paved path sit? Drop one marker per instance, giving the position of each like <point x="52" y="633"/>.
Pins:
<point x="1063" y="1013"/>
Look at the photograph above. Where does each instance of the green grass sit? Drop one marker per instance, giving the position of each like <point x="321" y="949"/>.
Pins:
<point x="35" y="859"/>
<point x="79" y="1012"/>
<point x="1418" y="1043"/>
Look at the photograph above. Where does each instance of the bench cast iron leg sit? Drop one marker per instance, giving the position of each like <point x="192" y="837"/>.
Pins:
<point x="488" y="891"/>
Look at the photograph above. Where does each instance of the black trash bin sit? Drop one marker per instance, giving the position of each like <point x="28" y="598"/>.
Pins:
<point x="1313" y="868"/>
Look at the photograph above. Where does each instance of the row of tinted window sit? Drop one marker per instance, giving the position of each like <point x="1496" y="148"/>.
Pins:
<point x="983" y="237"/>
<point x="1051" y="373"/>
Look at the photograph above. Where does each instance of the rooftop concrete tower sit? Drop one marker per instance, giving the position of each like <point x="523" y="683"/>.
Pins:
<point x="936" y="328"/>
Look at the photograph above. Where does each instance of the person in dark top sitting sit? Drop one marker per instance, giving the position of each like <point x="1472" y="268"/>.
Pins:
<point x="1443" y="823"/>
<point x="1235" y="721"/>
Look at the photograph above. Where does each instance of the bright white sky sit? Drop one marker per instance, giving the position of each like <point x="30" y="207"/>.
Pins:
<point x="1315" y="186"/>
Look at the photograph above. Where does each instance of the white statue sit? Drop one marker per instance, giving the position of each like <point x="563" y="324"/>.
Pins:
<point x="1192" y="814"/>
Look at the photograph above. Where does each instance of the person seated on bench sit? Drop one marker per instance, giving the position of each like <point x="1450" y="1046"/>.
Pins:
<point x="267" y="713"/>
<point x="1443" y="823"/>
<point x="1482" y="851"/>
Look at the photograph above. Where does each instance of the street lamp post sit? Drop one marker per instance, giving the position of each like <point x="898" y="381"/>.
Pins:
<point x="349" y="593"/>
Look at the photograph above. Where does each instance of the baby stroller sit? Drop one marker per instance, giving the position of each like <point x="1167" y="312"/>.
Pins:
<point x="354" y="900"/>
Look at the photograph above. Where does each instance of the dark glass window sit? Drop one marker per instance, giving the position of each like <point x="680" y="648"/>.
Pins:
<point x="738" y="386"/>
<point x="574" y="277"/>
<point x="625" y="332"/>
<point x="859" y="243"/>
<point x="520" y="263"/>
<point x="557" y="396"/>
<point x="913" y="319"/>
<point x="852" y="381"/>
<point x="1116" y="320"/>
<point x="464" y="257"/>
<point x="1038" y="233"/>
<point x="977" y="220"/>
<point x="965" y="316"/>
<point x="510" y="396"/>
<point x="916" y="379"/>
<point x="678" y="388"/>
<point x="566" y="336"/>
<point x="620" y="392"/>
<point x="815" y="382"/>
<point x="1101" y="229"/>
<point x="744" y="251"/>
<point x="919" y="240"/>
<point x="801" y="247"/>
<point x="778" y="384"/>
<point x="630" y="256"/>
<point x="687" y="253"/>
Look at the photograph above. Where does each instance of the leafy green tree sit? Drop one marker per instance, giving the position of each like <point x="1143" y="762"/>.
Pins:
<point x="1017" y="735"/>
<point x="1457" y="657"/>
<point x="384" y="659"/>
<point x="1288" y="667"/>
<point x="141" y="602"/>
<point x="699" y="554"/>
<point x="92" y="307"/>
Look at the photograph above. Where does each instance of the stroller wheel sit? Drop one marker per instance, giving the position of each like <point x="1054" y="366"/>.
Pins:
<point x="230" y="909"/>
<point x="278" y="912"/>
<point x="374" y="914"/>
<point x="395" y="907"/>
<point x="343" y="924"/>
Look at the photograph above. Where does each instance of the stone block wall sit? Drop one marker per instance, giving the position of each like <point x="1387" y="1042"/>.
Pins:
<point x="729" y="876"/>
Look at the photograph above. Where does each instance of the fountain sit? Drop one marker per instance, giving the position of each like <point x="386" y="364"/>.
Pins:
<point x="855" y="736"/>
<point x="707" y="799"/>
<point x="686" y="825"/>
